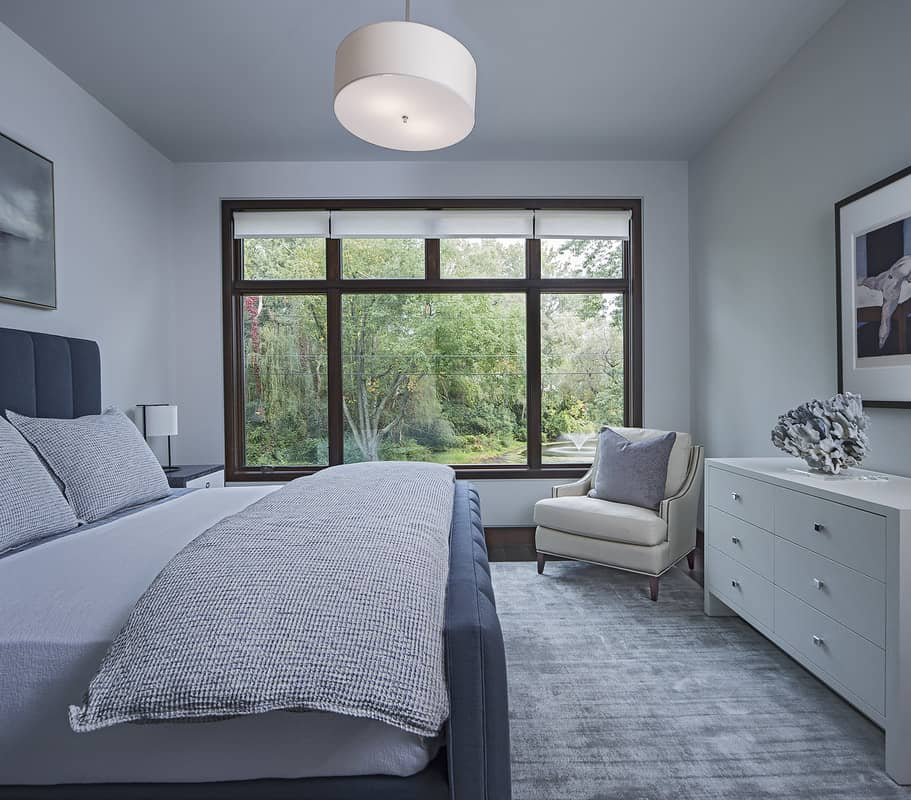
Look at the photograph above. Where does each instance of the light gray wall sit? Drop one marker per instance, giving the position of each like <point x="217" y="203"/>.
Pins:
<point x="113" y="195"/>
<point x="662" y="185"/>
<point x="835" y="119"/>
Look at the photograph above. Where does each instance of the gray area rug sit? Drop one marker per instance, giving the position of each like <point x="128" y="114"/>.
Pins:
<point x="613" y="696"/>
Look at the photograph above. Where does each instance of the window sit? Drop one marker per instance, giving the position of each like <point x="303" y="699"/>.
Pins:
<point x="581" y="258"/>
<point x="383" y="258"/>
<point x="496" y="340"/>
<point x="582" y="375"/>
<point x="434" y="377"/>
<point x="285" y="380"/>
<point x="482" y="258"/>
<point x="268" y="259"/>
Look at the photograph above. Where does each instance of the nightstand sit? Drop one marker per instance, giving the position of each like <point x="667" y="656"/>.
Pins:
<point x="197" y="476"/>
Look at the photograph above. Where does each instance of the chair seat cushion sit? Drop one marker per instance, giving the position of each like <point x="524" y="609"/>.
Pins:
<point x="602" y="519"/>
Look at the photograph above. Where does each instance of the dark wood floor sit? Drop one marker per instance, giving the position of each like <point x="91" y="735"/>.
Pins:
<point x="518" y="544"/>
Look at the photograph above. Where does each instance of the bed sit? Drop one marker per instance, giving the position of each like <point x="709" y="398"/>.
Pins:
<point x="56" y="625"/>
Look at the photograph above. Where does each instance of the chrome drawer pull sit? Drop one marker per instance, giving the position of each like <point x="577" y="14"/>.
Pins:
<point x="735" y="540"/>
<point x="818" y="526"/>
<point x="818" y="583"/>
<point x="818" y="641"/>
<point x="735" y="584"/>
<point x="735" y="497"/>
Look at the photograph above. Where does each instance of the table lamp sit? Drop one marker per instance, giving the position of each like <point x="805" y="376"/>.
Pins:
<point x="160" y="419"/>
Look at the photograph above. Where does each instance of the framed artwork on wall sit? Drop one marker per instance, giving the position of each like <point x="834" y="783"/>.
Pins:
<point x="873" y="276"/>
<point x="28" y="270"/>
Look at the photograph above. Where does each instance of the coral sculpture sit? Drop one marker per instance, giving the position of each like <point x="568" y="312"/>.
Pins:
<point x="830" y="435"/>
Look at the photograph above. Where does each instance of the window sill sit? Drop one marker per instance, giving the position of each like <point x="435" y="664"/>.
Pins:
<point x="566" y="472"/>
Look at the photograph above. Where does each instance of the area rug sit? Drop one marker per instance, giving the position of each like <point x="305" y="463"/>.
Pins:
<point x="613" y="696"/>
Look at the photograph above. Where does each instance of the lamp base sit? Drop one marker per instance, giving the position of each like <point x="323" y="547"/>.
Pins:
<point x="170" y="469"/>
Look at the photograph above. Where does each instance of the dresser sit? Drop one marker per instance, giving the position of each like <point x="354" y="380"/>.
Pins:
<point x="821" y="565"/>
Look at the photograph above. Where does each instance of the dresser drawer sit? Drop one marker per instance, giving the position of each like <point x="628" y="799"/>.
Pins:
<point x="740" y="586"/>
<point x="847" y="535"/>
<point x="743" y="542"/>
<point x="851" y="598"/>
<point x="853" y="661"/>
<point x="745" y="498"/>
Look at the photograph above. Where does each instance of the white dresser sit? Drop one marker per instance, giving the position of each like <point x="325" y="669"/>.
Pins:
<point x="821" y="565"/>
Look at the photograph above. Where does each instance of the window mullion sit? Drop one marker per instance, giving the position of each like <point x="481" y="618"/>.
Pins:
<point x="334" y="354"/>
<point x="533" y="376"/>
<point x="533" y="354"/>
<point x="333" y="259"/>
<point x="432" y="259"/>
<point x="632" y="312"/>
<point x="533" y="259"/>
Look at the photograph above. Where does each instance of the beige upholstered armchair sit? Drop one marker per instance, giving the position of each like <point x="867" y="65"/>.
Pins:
<point x="573" y="525"/>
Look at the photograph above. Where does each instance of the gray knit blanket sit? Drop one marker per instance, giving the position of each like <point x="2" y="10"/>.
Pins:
<point x="327" y="595"/>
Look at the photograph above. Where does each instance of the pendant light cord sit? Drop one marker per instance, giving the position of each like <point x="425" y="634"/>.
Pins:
<point x="407" y="10"/>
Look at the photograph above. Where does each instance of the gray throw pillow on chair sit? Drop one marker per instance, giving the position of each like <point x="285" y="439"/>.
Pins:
<point x="632" y="472"/>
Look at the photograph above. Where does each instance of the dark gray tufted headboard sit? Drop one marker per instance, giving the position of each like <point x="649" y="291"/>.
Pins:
<point x="49" y="376"/>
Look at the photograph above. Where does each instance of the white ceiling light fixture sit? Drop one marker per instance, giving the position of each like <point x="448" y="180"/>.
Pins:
<point x="405" y="86"/>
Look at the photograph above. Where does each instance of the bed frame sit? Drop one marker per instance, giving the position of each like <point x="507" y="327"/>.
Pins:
<point x="54" y="376"/>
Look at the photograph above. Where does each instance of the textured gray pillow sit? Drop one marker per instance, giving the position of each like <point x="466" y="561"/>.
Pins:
<point x="31" y="505"/>
<point x="632" y="472"/>
<point x="103" y="461"/>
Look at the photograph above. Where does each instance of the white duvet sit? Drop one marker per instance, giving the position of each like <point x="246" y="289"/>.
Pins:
<point x="61" y="604"/>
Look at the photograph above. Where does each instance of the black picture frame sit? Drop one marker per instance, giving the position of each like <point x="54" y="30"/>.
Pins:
<point x="48" y="241"/>
<point x="844" y="300"/>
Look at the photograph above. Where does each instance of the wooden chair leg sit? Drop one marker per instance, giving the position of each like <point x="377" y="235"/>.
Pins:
<point x="541" y="560"/>
<point x="653" y="589"/>
<point x="691" y="559"/>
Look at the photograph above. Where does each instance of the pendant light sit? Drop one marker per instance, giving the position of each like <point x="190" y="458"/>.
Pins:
<point x="405" y="86"/>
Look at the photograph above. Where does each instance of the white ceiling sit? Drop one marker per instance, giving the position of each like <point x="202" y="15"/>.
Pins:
<point x="251" y="80"/>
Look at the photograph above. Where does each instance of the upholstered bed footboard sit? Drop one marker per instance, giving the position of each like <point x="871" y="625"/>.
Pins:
<point x="478" y="728"/>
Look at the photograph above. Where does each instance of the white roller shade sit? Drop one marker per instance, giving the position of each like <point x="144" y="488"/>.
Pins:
<point x="281" y="224"/>
<point x="439" y="224"/>
<point x="484" y="224"/>
<point x="566" y="224"/>
<point x="382" y="225"/>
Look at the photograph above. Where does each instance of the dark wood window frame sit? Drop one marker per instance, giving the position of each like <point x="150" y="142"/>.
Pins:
<point x="234" y="287"/>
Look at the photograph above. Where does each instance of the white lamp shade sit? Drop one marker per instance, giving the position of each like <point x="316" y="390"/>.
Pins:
<point x="405" y="86"/>
<point x="161" y="420"/>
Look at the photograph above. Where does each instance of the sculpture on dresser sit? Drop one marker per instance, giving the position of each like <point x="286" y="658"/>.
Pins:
<point x="830" y="435"/>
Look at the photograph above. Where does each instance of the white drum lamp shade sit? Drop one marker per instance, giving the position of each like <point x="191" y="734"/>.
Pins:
<point x="161" y="420"/>
<point x="405" y="86"/>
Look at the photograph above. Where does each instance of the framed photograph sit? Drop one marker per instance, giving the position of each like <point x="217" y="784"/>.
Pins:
<point x="873" y="275"/>
<point x="28" y="270"/>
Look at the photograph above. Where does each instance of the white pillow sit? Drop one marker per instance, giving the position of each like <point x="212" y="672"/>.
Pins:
<point x="103" y="461"/>
<point x="31" y="505"/>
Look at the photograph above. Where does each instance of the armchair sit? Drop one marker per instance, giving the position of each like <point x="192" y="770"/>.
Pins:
<point x="573" y="525"/>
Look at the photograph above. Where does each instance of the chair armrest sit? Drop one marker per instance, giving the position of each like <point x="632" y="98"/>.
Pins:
<point x="681" y="510"/>
<point x="574" y="489"/>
